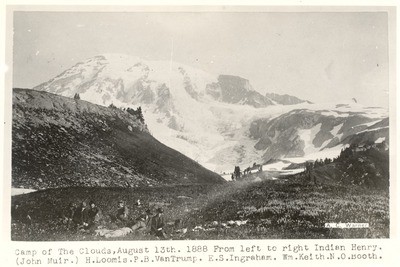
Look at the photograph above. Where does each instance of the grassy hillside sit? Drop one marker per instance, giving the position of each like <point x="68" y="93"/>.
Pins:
<point x="270" y="209"/>
<point x="362" y="165"/>
<point x="62" y="142"/>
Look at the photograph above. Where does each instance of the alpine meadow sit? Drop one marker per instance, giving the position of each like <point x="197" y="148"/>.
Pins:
<point x="271" y="138"/>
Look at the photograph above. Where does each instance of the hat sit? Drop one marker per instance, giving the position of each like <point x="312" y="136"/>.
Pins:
<point x="121" y="201"/>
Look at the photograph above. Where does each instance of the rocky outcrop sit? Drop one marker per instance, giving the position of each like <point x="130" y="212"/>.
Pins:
<point x="236" y="90"/>
<point x="285" y="99"/>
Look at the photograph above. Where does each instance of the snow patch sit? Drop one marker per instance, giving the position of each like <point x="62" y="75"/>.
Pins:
<point x="380" y="140"/>
<point x="277" y="166"/>
<point x="335" y="131"/>
<point x="308" y="135"/>
<point x="21" y="191"/>
<point x="326" y="153"/>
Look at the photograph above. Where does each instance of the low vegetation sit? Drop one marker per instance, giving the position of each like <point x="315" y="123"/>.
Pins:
<point x="272" y="209"/>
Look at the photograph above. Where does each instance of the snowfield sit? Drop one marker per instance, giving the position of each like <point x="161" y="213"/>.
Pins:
<point x="180" y="112"/>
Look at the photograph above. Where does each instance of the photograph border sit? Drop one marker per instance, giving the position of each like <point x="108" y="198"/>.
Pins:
<point x="391" y="244"/>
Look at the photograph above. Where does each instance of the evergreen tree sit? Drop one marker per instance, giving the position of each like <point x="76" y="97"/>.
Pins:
<point x="76" y="96"/>
<point x="137" y="113"/>
<point x="140" y="114"/>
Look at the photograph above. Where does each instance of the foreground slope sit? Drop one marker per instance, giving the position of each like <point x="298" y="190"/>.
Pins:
<point x="271" y="209"/>
<point x="62" y="142"/>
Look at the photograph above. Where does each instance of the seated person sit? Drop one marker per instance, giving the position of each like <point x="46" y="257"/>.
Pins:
<point x="94" y="216"/>
<point x="157" y="224"/>
<point x="143" y="223"/>
<point x="81" y="216"/>
<point x="122" y="213"/>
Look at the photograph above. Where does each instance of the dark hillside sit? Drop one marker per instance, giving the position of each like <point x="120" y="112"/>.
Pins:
<point x="361" y="165"/>
<point x="61" y="142"/>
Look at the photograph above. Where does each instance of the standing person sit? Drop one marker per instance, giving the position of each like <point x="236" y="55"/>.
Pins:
<point x="157" y="224"/>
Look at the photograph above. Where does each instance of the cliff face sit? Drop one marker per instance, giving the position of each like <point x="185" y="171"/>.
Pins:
<point x="285" y="99"/>
<point x="236" y="90"/>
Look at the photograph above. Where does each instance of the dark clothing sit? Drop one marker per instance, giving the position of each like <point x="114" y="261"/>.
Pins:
<point x="81" y="215"/>
<point x="121" y="218"/>
<point x="122" y="214"/>
<point x="157" y="225"/>
<point x="68" y="217"/>
<point x="93" y="218"/>
<point x="93" y="215"/>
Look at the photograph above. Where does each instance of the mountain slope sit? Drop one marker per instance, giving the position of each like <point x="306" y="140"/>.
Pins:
<point x="59" y="141"/>
<point x="218" y="120"/>
<point x="304" y="132"/>
<point x="362" y="165"/>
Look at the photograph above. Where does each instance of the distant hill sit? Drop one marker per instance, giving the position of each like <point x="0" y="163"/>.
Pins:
<point x="362" y="165"/>
<point x="61" y="142"/>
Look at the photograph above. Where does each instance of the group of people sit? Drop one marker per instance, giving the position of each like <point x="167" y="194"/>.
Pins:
<point x="83" y="216"/>
<point x="90" y="217"/>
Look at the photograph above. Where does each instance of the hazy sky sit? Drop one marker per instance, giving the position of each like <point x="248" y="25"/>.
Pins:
<point x="322" y="57"/>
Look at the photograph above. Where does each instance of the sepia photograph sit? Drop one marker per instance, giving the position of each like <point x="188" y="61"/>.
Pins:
<point x="224" y="123"/>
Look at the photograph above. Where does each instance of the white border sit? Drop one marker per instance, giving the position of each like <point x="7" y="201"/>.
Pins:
<point x="391" y="245"/>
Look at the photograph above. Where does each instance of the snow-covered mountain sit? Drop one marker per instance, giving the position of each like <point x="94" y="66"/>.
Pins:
<point x="218" y="120"/>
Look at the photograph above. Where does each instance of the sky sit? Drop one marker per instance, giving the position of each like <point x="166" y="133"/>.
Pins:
<point x="318" y="56"/>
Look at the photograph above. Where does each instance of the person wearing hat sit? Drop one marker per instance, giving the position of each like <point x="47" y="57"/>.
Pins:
<point x="122" y="214"/>
<point x="157" y="224"/>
